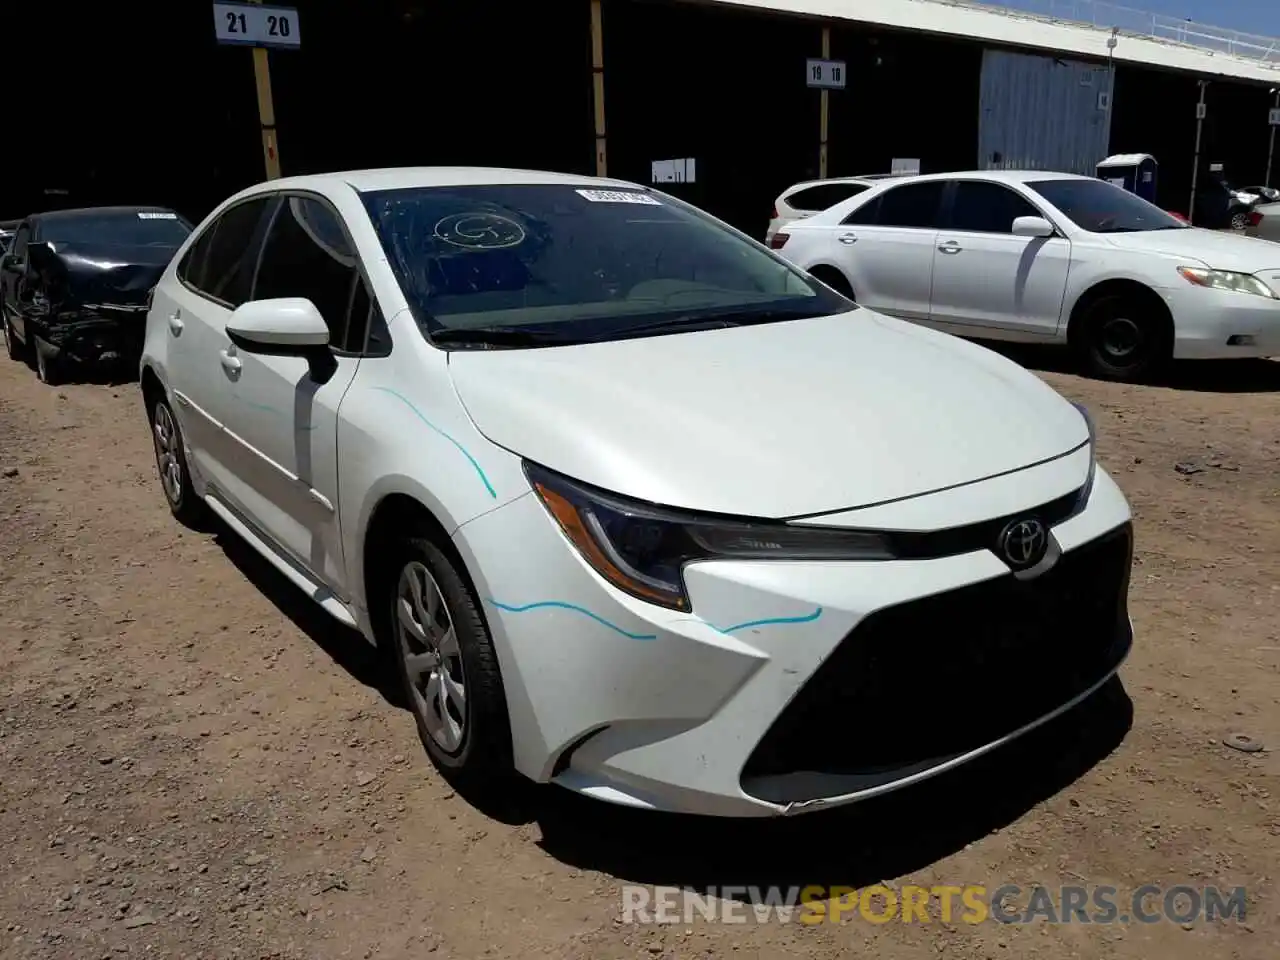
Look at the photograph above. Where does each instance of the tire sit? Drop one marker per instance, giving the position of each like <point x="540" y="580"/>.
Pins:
<point x="1123" y="339"/>
<point x="472" y="748"/>
<point x="171" y="466"/>
<point x="834" y="279"/>
<point x="14" y="348"/>
<point x="1240" y="220"/>
<point x="49" y="368"/>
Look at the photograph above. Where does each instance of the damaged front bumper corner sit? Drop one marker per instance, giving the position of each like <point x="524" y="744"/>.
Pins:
<point x="100" y="334"/>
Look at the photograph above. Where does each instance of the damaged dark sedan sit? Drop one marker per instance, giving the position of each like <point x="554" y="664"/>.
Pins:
<point x="76" y="285"/>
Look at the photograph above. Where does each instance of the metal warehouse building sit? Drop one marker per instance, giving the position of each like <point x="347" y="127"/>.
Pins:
<point x="136" y="102"/>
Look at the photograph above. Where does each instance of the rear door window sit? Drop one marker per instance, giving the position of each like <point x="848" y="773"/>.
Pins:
<point x="913" y="205"/>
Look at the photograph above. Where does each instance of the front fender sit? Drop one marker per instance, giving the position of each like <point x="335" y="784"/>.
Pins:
<point x="402" y="430"/>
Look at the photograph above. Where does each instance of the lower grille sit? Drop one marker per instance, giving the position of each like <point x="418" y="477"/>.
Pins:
<point x="916" y="684"/>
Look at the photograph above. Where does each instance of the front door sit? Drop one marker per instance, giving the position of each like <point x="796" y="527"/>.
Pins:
<point x="988" y="282"/>
<point x="16" y="293"/>
<point x="281" y="412"/>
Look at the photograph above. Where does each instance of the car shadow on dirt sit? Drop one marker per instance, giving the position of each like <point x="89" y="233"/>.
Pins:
<point x="1204" y="376"/>
<point x="345" y="646"/>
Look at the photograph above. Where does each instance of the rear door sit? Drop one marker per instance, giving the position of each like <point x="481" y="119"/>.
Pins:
<point x="885" y="247"/>
<point x="214" y="277"/>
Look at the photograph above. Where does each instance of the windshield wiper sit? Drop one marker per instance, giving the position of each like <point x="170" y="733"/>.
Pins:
<point x="712" y="321"/>
<point x="502" y="337"/>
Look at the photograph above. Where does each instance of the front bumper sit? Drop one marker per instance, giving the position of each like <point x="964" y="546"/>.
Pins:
<point x="96" y="336"/>
<point x="797" y="685"/>
<point x="1222" y="324"/>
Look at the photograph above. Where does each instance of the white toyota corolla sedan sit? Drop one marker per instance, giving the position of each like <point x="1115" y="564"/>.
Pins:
<point x="636" y="506"/>
<point x="1048" y="258"/>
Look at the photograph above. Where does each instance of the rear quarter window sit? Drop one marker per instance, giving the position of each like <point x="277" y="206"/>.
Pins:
<point x="823" y="196"/>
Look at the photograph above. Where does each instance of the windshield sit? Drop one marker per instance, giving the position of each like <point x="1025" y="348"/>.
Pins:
<point x="140" y="228"/>
<point x="1101" y="207"/>
<point x="578" y="262"/>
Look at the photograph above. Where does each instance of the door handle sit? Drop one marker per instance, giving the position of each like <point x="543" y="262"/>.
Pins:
<point x="950" y="247"/>
<point x="848" y="238"/>
<point x="230" y="363"/>
<point x="175" y="323"/>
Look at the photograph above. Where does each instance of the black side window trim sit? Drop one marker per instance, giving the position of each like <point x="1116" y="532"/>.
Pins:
<point x="278" y="198"/>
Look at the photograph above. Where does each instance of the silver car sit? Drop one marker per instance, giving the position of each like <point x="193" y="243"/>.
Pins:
<point x="1264" y="222"/>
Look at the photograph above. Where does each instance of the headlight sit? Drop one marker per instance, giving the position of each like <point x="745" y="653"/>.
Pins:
<point x="642" y="549"/>
<point x="1093" y="453"/>
<point x="1227" y="280"/>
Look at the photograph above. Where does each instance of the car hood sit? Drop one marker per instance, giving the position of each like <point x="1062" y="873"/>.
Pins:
<point x="777" y="420"/>
<point x="102" y="273"/>
<point x="1218" y="250"/>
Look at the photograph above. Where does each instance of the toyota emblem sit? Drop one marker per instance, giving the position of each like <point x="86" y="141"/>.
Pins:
<point x="1024" y="543"/>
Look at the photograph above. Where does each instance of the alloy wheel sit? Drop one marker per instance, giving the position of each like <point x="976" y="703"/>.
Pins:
<point x="167" y="453"/>
<point x="428" y="647"/>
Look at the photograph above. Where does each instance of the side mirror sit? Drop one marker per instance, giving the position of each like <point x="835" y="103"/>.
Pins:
<point x="13" y="264"/>
<point x="1032" y="227"/>
<point x="287" y="325"/>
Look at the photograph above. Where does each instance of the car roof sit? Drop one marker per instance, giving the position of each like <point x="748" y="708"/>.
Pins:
<point x="399" y="178"/>
<point x="1000" y="176"/>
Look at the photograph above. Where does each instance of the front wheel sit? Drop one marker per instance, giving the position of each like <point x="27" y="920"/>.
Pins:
<point x="48" y="364"/>
<point x="1123" y="340"/>
<point x="448" y="668"/>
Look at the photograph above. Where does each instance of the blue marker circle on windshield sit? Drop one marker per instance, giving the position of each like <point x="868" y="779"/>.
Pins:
<point x="479" y="231"/>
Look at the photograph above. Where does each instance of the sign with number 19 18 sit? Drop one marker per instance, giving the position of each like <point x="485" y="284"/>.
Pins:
<point x="253" y="25"/>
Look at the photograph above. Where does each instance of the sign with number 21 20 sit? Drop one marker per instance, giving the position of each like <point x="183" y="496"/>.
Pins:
<point x="252" y="25"/>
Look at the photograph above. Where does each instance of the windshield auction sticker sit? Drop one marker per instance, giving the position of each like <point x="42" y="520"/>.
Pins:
<point x="618" y="196"/>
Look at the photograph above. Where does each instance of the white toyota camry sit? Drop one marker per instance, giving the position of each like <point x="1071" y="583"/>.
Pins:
<point x="1047" y="258"/>
<point x="637" y="507"/>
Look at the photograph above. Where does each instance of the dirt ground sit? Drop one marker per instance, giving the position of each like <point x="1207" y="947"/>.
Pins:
<point x="196" y="763"/>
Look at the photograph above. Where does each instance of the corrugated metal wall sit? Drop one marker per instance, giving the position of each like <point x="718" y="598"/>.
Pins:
<point x="1042" y="113"/>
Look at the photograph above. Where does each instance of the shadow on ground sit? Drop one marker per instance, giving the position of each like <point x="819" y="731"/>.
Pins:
<point x="883" y="838"/>
<point x="1205" y="376"/>
<point x="343" y="645"/>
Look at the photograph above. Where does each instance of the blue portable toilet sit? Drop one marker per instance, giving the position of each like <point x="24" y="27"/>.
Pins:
<point x="1136" y="172"/>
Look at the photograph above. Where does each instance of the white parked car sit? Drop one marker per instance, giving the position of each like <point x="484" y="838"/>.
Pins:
<point x="813" y="196"/>
<point x="634" y="506"/>
<point x="1047" y="258"/>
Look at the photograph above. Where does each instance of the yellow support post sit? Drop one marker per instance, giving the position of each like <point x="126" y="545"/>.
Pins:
<point x="266" y="109"/>
<point x="597" y="85"/>
<point x="824" y="110"/>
